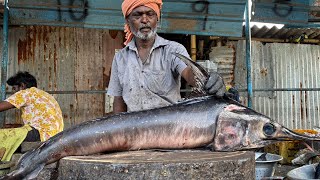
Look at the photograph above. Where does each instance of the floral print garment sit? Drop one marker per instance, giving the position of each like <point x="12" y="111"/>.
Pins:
<point x="40" y="110"/>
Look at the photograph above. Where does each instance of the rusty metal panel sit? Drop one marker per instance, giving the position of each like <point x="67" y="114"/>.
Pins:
<point x="262" y="65"/>
<point x="289" y="34"/>
<point x="293" y="66"/>
<point x="65" y="59"/>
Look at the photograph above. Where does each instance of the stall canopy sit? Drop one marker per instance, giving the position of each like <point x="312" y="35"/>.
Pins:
<point x="202" y="17"/>
<point x="291" y="13"/>
<point x="207" y="17"/>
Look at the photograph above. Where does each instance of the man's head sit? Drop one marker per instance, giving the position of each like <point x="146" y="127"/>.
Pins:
<point x="143" y="22"/>
<point x="22" y="80"/>
<point x="141" y="18"/>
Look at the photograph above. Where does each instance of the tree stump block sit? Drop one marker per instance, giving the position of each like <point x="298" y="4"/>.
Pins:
<point x="150" y="164"/>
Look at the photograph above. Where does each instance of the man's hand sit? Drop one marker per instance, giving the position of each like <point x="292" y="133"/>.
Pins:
<point x="215" y="85"/>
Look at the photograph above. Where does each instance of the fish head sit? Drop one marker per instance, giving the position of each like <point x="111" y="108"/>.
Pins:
<point x="241" y="128"/>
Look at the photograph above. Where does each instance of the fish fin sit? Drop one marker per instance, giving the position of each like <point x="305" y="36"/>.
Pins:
<point x="201" y="75"/>
<point x="28" y="166"/>
<point x="210" y="146"/>
<point x="35" y="172"/>
<point x="193" y="100"/>
<point x="4" y="177"/>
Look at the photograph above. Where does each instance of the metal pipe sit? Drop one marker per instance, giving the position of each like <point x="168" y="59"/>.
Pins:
<point x="181" y="90"/>
<point x="4" y="63"/>
<point x="89" y="92"/>
<point x="201" y="48"/>
<point x="193" y="47"/>
<point x="283" y="89"/>
<point x="312" y="41"/>
<point x="78" y="92"/>
<point x="258" y="39"/>
<point x="248" y="53"/>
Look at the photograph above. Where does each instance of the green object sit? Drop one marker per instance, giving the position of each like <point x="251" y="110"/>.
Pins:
<point x="5" y="167"/>
<point x="11" y="139"/>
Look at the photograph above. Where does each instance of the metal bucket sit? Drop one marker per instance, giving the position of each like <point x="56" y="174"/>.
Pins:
<point x="302" y="173"/>
<point x="266" y="168"/>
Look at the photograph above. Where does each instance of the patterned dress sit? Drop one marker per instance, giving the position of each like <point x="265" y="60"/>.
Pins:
<point x="40" y="110"/>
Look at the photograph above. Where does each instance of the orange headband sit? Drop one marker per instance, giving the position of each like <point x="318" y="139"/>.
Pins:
<point x="129" y="5"/>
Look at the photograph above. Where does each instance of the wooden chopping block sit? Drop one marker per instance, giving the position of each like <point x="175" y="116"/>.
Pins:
<point x="150" y="164"/>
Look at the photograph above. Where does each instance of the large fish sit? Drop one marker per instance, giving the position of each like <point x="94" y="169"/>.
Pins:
<point x="217" y="123"/>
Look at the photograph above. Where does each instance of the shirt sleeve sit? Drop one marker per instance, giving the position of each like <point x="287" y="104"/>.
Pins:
<point x="114" y="87"/>
<point x="178" y="64"/>
<point x="18" y="99"/>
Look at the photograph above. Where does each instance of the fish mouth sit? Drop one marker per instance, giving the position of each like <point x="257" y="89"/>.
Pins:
<point x="286" y="134"/>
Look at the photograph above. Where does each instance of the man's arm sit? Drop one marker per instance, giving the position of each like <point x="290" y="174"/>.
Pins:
<point x="4" y="105"/>
<point x="187" y="75"/>
<point x="119" y="105"/>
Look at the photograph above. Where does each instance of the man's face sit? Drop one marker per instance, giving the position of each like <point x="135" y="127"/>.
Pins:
<point x="143" y="22"/>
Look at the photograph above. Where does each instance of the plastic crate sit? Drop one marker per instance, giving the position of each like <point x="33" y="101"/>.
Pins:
<point x="288" y="149"/>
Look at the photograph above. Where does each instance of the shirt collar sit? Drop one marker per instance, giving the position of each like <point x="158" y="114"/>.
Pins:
<point x="159" y="41"/>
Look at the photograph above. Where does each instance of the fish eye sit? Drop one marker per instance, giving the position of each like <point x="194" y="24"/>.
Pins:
<point x="269" y="129"/>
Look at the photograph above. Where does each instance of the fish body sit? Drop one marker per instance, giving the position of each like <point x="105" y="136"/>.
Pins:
<point x="171" y="127"/>
<point x="220" y="124"/>
<point x="216" y="123"/>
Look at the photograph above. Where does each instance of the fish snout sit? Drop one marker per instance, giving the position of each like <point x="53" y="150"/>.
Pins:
<point x="281" y="133"/>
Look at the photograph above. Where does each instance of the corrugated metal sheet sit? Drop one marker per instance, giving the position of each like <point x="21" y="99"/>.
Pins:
<point x="293" y="66"/>
<point x="284" y="33"/>
<point x="66" y="59"/>
<point x="224" y="57"/>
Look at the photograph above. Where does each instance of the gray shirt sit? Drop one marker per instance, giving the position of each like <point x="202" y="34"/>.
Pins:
<point x="150" y="84"/>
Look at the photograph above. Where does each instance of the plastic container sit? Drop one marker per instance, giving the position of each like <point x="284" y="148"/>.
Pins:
<point x="303" y="173"/>
<point x="266" y="168"/>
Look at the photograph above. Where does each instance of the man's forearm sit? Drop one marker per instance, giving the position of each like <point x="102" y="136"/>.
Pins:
<point x="119" y="105"/>
<point x="4" y="105"/>
<point x="188" y="75"/>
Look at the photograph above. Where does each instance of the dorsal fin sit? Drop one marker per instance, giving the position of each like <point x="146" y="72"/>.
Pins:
<point x="201" y="75"/>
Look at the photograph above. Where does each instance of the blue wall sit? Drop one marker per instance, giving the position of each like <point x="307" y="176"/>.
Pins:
<point x="212" y="17"/>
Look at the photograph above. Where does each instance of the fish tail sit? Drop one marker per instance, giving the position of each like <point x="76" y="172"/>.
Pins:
<point x="28" y="167"/>
<point x="4" y="177"/>
<point x="17" y="175"/>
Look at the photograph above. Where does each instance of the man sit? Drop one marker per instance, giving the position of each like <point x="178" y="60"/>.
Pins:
<point x="39" y="109"/>
<point x="146" y="74"/>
